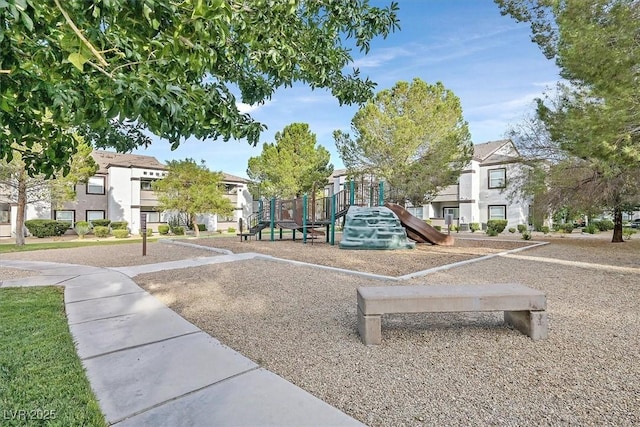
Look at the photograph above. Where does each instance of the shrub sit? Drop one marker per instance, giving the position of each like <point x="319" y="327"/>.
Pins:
<point x="219" y="231"/>
<point x="149" y="232"/>
<point x="492" y="231"/>
<point x="628" y="232"/>
<point x="526" y="235"/>
<point x="119" y="225"/>
<point x="438" y="227"/>
<point x="100" y="222"/>
<point x="590" y="229"/>
<point x="120" y="233"/>
<point x="545" y="229"/>
<point x="178" y="230"/>
<point x="82" y="228"/>
<point x="512" y="230"/>
<point x="455" y="228"/>
<point x="46" y="227"/>
<point x="163" y="229"/>
<point x="603" y="225"/>
<point x="567" y="228"/>
<point x="202" y="227"/>
<point x="231" y="230"/>
<point x="101" y="231"/>
<point x="496" y="224"/>
<point x="522" y="228"/>
<point x="474" y="226"/>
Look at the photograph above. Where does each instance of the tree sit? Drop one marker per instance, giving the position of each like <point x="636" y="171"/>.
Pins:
<point x="413" y="136"/>
<point x="292" y="165"/>
<point x="594" y="119"/>
<point x="23" y="189"/>
<point x="171" y="67"/>
<point x="192" y="189"/>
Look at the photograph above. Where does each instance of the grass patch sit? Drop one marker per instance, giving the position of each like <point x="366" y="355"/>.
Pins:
<point x="10" y="247"/>
<point x="42" y="381"/>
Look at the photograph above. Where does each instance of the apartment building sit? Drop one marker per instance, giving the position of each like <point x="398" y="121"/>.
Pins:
<point x="121" y="191"/>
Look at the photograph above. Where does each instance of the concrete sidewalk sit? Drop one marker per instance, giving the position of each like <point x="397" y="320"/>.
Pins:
<point x="150" y="367"/>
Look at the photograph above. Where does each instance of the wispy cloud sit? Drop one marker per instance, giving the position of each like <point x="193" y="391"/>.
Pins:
<point x="382" y="57"/>
<point x="247" y="108"/>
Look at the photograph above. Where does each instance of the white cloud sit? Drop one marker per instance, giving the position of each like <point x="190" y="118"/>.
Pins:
<point x="381" y="57"/>
<point x="247" y="108"/>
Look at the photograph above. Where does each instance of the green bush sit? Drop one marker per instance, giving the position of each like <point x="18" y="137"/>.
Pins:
<point x="438" y="227"/>
<point x="101" y="231"/>
<point x="567" y="228"/>
<point x="231" y="230"/>
<point x="496" y="224"/>
<point x="526" y="235"/>
<point x="603" y="225"/>
<point x="474" y="226"/>
<point x="522" y="228"/>
<point x="591" y="229"/>
<point x="178" y="230"/>
<point x="149" y="232"/>
<point x="163" y="229"/>
<point x="545" y="229"/>
<point x="46" y="227"/>
<point x="100" y="222"/>
<point x="492" y="231"/>
<point x="512" y="230"/>
<point x="82" y="228"/>
<point x="455" y="228"/>
<point x="628" y="232"/>
<point x="120" y="233"/>
<point x="119" y="225"/>
<point x="202" y="227"/>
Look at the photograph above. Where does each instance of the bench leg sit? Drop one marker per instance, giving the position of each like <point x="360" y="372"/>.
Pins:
<point x="532" y="323"/>
<point x="370" y="328"/>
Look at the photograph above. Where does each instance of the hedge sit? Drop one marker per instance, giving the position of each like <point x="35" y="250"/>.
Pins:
<point x="498" y="225"/>
<point x="119" y="225"/>
<point x="100" y="222"/>
<point x="101" y="231"/>
<point x="46" y="227"/>
<point x="120" y="233"/>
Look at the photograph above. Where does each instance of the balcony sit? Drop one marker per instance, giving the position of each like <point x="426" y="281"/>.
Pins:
<point x="148" y="198"/>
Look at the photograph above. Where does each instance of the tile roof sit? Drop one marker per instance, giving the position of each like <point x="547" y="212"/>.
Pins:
<point x="227" y="177"/>
<point x="484" y="150"/>
<point x="107" y="159"/>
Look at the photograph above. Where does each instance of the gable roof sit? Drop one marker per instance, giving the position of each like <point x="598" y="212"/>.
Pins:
<point x="482" y="151"/>
<point x="107" y="159"/>
<point x="227" y="177"/>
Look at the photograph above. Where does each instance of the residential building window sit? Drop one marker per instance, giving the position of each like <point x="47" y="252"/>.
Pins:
<point x="451" y="211"/>
<point x="95" y="185"/>
<point x="416" y="211"/>
<point x="498" y="212"/>
<point x="152" y="216"/>
<point x="5" y="212"/>
<point x="145" y="185"/>
<point x="66" y="216"/>
<point x="91" y="215"/>
<point x="497" y="178"/>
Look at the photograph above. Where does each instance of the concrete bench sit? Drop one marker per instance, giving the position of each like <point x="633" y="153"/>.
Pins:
<point x="524" y="308"/>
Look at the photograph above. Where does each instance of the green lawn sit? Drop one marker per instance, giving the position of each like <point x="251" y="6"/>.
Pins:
<point x="42" y="382"/>
<point x="11" y="247"/>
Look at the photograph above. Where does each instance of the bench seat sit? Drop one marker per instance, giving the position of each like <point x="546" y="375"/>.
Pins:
<point x="524" y="308"/>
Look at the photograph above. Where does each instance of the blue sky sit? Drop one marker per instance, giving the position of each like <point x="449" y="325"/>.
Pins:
<point x="486" y="59"/>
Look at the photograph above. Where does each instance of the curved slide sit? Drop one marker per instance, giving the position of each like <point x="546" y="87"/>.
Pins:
<point x="419" y="230"/>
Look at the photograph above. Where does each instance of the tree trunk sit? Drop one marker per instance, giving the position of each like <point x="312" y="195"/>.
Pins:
<point x="617" y="225"/>
<point x="22" y="204"/>
<point x="194" y="224"/>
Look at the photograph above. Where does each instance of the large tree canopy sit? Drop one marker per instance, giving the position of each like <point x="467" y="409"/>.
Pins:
<point x="168" y="66"/>
<point x="292" y="165"/>
<point x="193" y="189"/>
<point x="413" y="136"/>
<point x="594" y="119"/>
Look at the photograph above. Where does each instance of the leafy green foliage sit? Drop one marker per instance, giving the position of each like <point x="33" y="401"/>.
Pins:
<point x="120" y="233"/>
<point x="46" y="227"/>
<point x="163" y="229"/>
<point x="292" y="165"/>
<point x="522" y="228"/>
<point x="413" y="136"/>
<point x="593" y="121"/>
<point x="39" y="367"/>
<point x="100" y="222"/>
<point x="171" y="67"/>
<point x="119" y="225"/>
<point x="101" y="231"/>
<point x="192" y="189"/>
<point x="178" y="230"/>
<point x="512" y="230"/>
<point x="498" y="225"/>
<point x="474" y="226"/>
<point x="82" y="228"/>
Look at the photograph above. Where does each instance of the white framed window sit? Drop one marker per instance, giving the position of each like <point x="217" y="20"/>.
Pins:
<point x="95" y="185"/>
<point x="145" y="185"/>
<point x="5" y="212"/>
<point x="66" y="216"/>
<point x="498" y="212"/>
<point x="497" y="178"/>
<point x="451" y="211"/>
<point x="91" y="215"/>
<point x="152" y="216"/>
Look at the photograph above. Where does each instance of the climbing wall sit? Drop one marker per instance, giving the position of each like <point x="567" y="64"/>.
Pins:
<point x="373" y="228"/>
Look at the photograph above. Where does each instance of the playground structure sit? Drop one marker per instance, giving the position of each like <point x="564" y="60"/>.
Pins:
<point x="316" y="216"/>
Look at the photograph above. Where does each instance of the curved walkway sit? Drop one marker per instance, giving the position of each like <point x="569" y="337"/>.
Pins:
<point x="149" y="366"/>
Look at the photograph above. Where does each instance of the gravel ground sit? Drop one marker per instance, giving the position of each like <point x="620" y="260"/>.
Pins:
<point x="431" y="369"/>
